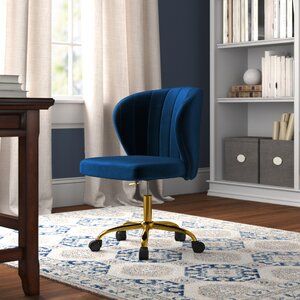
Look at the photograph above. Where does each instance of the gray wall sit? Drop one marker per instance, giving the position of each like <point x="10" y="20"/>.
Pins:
<point x="184" y="42"/>
<point x="184" y="38"/>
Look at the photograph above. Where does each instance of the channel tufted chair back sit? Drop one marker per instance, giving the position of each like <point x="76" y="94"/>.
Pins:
<point x="162" y="123"/>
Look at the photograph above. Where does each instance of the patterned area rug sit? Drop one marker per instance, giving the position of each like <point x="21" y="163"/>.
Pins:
<point x="240" y="261"/>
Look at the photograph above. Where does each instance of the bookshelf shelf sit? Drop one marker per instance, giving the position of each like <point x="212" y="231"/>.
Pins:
<point x="240" y="117"/>
<point x="259" y="43"/>
<point x="256" y="100"/>
<point x="263" y="186"/>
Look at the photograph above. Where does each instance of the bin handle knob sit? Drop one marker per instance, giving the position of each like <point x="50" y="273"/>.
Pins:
<point x="277" y="161"/>
<point x="241" y="158"/>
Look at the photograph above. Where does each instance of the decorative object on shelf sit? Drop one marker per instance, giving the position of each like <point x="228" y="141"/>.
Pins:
<point x="252" y="76"/>
<point x="277" y="75"/>
<point x="276" y="128"/>
<point x="246" y="88"/>
<point x="290" y="128"/>
<point x="253" y="20"/>
<point x="244" y="94"/>
<point x="245" y="91"/>
<point x="283" y="130"/>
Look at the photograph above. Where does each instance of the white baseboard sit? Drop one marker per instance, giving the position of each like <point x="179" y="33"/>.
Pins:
<point x="252" y="192"/>
<point x="68" y="191"/>
<point x="179" y="186"/>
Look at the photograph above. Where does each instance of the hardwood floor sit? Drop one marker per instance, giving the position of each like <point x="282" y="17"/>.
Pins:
<point x="274" y="216"/>
<point x="261" y="214"/>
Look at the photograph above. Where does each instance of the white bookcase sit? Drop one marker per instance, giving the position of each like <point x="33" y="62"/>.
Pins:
<point x="247" y="116"/>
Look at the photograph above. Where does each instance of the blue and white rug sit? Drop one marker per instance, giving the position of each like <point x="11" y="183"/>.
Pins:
<point x="240" y="261"/>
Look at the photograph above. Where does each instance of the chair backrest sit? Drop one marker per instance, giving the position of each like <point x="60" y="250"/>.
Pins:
<point x="162" y="122"/>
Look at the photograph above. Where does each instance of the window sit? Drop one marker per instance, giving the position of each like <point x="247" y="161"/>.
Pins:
<point x="66" y="49"/>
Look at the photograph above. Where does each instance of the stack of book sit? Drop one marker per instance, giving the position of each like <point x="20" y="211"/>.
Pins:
<point x="252" y="20"/>
<point x="279" y="19"/>
<point x="283" y="130"/>
<point x="10" y="87"/>
<point x="277" y="75"/>
<point x="245" y="91"/>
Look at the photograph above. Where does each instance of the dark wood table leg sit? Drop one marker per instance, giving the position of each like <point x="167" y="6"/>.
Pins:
<point x="28" y="205"/>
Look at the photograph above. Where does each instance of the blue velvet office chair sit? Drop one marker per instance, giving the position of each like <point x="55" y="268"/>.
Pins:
<point x="159" y="131"/>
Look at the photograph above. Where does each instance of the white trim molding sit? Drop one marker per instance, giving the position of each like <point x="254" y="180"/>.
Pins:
<point x="68" y="191"/>
<point x="253" y="192"/>
<point x="179" y="186"/>
<point x="67" y="114"/>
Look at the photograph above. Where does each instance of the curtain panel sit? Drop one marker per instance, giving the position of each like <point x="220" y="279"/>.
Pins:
<point x="26" y="50"/>
<point x="121" y="56"/>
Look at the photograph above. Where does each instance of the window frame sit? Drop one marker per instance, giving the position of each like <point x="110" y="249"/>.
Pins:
<point x="70" y="44"/>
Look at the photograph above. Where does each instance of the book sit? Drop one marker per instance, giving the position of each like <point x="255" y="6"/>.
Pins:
<point x="263" y="73"/>
<point x="230" y="21"/>
<point x="247" y="22"/>
<point x="225" y="21"/>
<point x="269" y="73"/>
<point x="236" y="21"/>
<point x="269" y="11"/>
<point x="282" y="130"/>
<point x="278" y="88"/>
<point x="276" y="20"/>
<point x="290" y="128"/>
<point x="282" y="78"/>
<point x="283" y="19"/>
<point x="266" y="74"/>
<point x="290" y="19"/>
<point x="10" y="86"/>
<point x="242" y="20"/>
<point x="261" y="19"/>
<point x="276" y="126"/>
<point x="246" y="88"/>
<point x="9" y="78"/>
<point x="285" y="117"/>
<point x="245" y="94"/>
<point x="254" y="20"/>
<point x="292" y="76"/>
<point x="273" y="76"/>
<point x="289" y="76"/>
<point x="12" y="94"/>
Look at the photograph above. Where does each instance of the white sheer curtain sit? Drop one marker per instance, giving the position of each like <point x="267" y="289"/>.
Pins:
<point x="121" y="56"/>
<point x="26" y="50"/>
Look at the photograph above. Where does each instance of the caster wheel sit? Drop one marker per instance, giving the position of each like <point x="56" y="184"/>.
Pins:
<point x="95" y="245"/>
<point x="198" y="247"/>
<point x="179" y="237"/>
<point x="121" y="235"/>
<point x="144" y="253"/>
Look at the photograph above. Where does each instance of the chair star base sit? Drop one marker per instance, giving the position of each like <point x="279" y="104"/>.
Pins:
<point x="146" y="225"/>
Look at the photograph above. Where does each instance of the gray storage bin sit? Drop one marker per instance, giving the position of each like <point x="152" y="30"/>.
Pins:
<point x="241" y="159"/>
<point x="277" y="162"/>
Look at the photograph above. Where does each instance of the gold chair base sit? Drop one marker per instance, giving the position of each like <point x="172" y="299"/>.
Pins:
<point x="147" y="224"/>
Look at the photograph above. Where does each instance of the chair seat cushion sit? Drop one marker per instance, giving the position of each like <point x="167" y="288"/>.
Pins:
<point x="133" y="167"/>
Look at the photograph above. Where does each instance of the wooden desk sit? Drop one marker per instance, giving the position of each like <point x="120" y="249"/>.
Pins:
<point x="20" y="118"/>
